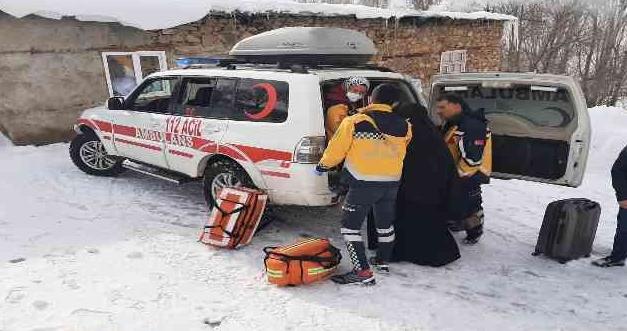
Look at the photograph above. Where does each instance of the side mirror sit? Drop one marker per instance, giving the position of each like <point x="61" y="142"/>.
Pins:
<point x="115" y="103"/>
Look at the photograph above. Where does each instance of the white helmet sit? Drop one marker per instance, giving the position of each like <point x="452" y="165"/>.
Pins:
<point x="356" y="80"/>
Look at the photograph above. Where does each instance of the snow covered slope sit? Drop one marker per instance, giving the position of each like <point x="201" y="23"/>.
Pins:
<point x="87" y="253"/>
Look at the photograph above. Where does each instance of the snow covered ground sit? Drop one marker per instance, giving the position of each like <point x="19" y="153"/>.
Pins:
<point x="87" y="253"/>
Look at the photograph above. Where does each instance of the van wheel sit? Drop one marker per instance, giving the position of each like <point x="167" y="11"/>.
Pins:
<point x="223" y="173"/>
<point x="89" y="155"/>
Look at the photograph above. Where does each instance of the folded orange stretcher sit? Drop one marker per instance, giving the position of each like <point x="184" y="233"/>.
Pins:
<point x="234" y="218"/>
<point x="304" y="262"/>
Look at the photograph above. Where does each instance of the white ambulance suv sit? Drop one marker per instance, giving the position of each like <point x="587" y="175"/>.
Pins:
<point x="246" y="122"/>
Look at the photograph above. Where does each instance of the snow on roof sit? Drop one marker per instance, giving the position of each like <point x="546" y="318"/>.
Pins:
<point x="162" y="14"/>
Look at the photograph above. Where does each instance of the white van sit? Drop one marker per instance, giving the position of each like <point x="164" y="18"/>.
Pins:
<point x="262" y="125"/>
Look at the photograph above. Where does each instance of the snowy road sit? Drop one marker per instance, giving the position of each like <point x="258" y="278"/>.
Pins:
<point x="86" y="253"/>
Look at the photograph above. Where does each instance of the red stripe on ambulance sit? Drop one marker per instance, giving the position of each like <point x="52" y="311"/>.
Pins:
<point x="124" y="130"/>
<point x="96" y="124"/>
<point x="261" y="154"/>
<point x="275" y="174"/>
<point x="151" y="147"/>
<point x="232" y="153"/>
<point x="179" y="153"/>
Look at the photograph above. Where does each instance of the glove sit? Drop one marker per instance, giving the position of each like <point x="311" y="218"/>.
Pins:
<point x="320" y="170"/>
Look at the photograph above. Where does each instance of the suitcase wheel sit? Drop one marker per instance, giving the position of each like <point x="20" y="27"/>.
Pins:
<point x="535" y="253"/>
<point x="562" y="261"/>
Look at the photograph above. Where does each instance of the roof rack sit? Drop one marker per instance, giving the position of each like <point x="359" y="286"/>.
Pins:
<point x="301" y="68"/>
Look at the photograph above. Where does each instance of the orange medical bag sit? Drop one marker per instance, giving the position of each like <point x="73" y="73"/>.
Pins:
<point x="234" y="218"/>
<point x="305" y="262"/>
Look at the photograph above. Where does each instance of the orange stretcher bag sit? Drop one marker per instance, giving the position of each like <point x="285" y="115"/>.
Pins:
<point x="234" y="217"/>
<point x="305" y="262"/>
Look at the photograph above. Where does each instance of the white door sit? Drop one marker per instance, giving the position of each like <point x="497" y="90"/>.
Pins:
<point x="540" y="127"/>
<point x="139" y="129"/>
<point x="199" y="122"/>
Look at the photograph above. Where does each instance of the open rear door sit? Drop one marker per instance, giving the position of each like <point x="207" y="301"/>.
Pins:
<point x="540" y="124"/>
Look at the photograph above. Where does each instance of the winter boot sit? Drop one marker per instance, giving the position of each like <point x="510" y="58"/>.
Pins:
<point x="379" y="264"/>
<point x="359" y="277"/>
<point x="473" y="235"/>
<point x="608" y="261"/>
<point x="455" y="225"/>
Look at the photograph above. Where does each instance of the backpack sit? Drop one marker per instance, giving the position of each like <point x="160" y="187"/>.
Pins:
<point x="234" y="217"/>
<point x="305" y="262"/>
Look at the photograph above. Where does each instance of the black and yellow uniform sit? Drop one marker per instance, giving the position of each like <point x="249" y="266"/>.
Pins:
<point x="372" y="145"/>
<point x="335" y="115"/>
<point x="470" y="142"/>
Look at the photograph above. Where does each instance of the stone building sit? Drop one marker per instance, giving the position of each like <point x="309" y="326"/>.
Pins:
<point x="52" y="69"/>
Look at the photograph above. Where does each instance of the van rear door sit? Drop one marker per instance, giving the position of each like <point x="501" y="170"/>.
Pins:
<point x="540" y="124"/>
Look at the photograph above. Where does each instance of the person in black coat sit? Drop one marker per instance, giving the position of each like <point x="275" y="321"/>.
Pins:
<point x="619" y="182"/>
<point x="425" y="194"/>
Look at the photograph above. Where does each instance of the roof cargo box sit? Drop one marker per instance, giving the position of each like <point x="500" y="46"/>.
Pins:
<point x="306" y="45"/>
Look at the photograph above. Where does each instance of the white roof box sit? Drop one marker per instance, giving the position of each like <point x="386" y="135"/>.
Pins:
<point x="306" y="45"/>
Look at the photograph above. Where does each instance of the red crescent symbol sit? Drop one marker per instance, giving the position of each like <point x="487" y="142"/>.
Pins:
<point x="270" y="104"/>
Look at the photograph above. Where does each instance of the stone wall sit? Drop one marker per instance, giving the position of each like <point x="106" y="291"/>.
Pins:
<point x="50" y="70"/>
<point x="411" y="46"/>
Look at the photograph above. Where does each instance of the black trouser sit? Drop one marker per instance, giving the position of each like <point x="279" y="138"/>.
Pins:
<point x="620" y="239"/>
<point x="359" y="201"/>
<point x="472" y="208"/>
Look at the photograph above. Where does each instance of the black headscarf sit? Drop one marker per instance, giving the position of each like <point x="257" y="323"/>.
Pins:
<point x="429" y="172"/>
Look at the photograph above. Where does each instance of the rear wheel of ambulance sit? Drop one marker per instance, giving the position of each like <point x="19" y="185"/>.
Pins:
<point x="221" y="174"/>
<point x="89" y="155"/>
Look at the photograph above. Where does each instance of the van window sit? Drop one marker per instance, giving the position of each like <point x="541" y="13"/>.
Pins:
<point x="223" y="97"/>
<point x="541" y="106"/>
<point x="195" y="99"/>
<point x="153" y="96"/>
<point x="261" y="101"/>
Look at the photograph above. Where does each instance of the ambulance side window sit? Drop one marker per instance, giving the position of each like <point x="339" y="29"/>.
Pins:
<point x="153" y="96"/>
<point x="195" y="97"/>
<point x="261" y="101"/>
<point x="223" y="98"/>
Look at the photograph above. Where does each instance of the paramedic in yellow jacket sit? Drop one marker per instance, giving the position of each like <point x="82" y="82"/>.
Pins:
<point x="372" y="145"/>
<point x="470" y="142"/>
<point x="354" y="91"/>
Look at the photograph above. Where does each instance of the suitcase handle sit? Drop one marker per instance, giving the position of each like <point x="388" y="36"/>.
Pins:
<point x="559" y="231"/>
<point x="335" y="257"/>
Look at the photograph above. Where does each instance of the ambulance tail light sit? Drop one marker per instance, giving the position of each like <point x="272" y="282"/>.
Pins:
<point x="309" y="150"/>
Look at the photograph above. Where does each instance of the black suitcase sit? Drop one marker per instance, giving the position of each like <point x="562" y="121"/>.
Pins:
<point x="568" y="229"/>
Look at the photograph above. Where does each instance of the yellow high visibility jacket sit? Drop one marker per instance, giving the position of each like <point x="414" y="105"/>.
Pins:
<point x="471" y="147"/>
<point x="372" y="145"/>
<point x="335" y="115"/>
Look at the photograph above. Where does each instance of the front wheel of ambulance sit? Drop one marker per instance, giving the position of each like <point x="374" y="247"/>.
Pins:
<point x="221" y="174"/>
<point x="89" y="155"/>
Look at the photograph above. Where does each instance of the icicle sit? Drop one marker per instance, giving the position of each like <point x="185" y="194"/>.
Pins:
<point x="510" y="33"/>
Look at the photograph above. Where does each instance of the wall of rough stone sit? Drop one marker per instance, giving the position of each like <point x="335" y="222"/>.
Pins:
<point x="412" y="46"/>
<point x="50" y="70"/>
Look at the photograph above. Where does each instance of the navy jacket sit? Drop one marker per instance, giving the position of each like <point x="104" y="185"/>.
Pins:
<point x="619" y="176"/>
